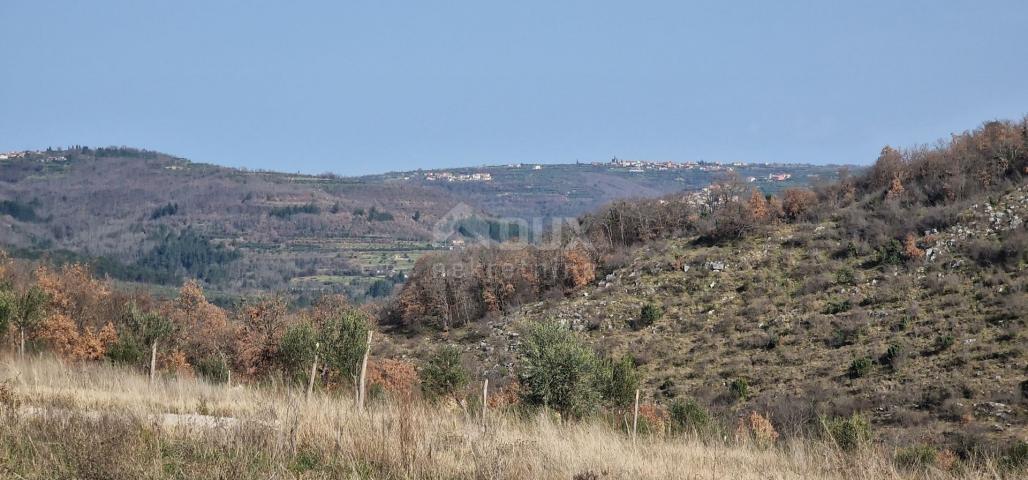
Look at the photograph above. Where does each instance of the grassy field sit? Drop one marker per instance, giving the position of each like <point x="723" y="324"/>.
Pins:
<point x="99" y="421"/>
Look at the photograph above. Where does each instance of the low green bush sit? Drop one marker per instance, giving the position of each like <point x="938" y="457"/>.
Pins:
<point x="838" y="306"/>
<point x="1016" y="457"/>
<point x="890" y="254"/>
<point x="892" y="357"/>
<point x="443" y="374"/>
<point x="860" y="367"/>
<point x="848" y="433"/>
<point x="944" y="342"/>
<point x="619" y="380"/>
<point x="688" y="416"/>
<point x="845" y="276"/>
<point x="214" y="369"/>
<point x="344" y="339"/>
<point x="558" y="371"/>
<point x="6" y="307"/>
<point x="918" y="457"/>
<point x="296" y="351"/>
<point x="649" y="315"/>
<point x="127" y="351"/>
<point x="740" y="389"/>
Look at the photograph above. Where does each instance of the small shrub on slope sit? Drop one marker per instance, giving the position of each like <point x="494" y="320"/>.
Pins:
<point x="619" y="380"/>
<point x="444" y="374"/>
<point x="649" y="315"/>
<point x="688" y="416"/>
<point x="558" y="371"/>
<point x="739" y="389"/>
<point x="848" y="433"/>
<point x="860" y="367"/>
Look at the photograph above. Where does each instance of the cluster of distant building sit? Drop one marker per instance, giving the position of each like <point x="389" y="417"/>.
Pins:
<point x="521" y="165"/>
<point x="773" y="177"/>
<point x="458" y="177"/>
<point x="44" y="156"/>
<point x="643" y="165"/>
<point x="635" y="166"/>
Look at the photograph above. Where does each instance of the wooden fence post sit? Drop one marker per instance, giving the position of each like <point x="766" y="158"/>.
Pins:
<point x="364" y="373"/>
<point x="314" y="369"/>
<point x="485" y="402"/>
<point x="228" y="369"/>
<point x="635" y="419"/>
<point x="153" y="361"/>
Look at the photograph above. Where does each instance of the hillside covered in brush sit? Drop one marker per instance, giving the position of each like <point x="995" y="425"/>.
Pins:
<point x="899" y="293"/>
<point x="885" y="308"/>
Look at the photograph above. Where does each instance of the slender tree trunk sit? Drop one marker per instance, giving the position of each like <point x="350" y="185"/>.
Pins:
<point x="21" y="348"/>
<point x="364" y="372"/>
<point x="446" y="305"/>
<point x="314" y="370"/>
<point x="621" y="225"/>
<point x="153" y="361"/>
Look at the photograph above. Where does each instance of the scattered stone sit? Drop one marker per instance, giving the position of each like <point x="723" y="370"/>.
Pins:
<point x="993" y="409"/>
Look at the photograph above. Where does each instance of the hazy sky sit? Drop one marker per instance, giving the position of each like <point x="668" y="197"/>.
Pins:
<point x="367" y="86"/>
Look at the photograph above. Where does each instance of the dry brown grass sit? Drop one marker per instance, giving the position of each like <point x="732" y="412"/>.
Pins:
<point x="279" y="435"/>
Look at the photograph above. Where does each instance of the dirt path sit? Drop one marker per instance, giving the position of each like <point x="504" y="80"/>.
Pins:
<point x="163" y="420"/>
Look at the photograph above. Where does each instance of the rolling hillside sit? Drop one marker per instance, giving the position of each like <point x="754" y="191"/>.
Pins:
<point x="883" y="310"/>
<point x="899" y="294"/>
<point x="147" y="217"/>
<point x="933" y="351"/>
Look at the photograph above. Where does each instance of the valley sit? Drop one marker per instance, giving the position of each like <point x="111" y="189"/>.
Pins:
<point x="147" y="218"/>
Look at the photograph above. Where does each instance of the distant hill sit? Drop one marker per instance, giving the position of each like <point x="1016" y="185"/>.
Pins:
<point x="570" y="190"/>
<point x="154" y="218"/>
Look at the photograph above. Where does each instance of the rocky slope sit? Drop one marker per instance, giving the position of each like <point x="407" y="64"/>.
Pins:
<point x="815" y="326"/>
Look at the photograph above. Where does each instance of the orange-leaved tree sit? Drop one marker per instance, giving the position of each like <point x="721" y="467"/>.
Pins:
<point x="759" y="208"/>
<point x="75" y="323"/>
<point x="579" y="267"/>
<point x="207" y="337"/>
<point x="263" y="322"/>
<point x="798" y="203"/>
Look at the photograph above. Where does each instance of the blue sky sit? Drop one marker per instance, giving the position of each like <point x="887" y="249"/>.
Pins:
<point x="358" y="87"/>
